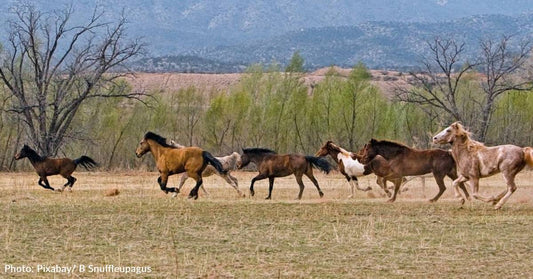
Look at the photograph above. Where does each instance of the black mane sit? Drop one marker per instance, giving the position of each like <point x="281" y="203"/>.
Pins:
<point x="257" y="150"/>
<point x="159" y="139"/>
<point x="32" y="154"/>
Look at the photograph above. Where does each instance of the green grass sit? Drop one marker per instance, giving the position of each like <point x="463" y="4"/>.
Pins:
<point x="226" y="237"/>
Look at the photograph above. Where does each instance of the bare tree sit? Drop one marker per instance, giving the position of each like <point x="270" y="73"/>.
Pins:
<point x="51" y="68"/>
<point x="500" y="65"/>
<point x="436" y="85"/>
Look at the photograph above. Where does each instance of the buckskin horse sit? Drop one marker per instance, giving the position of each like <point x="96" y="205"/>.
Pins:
<point x="52" y="166"/>
<point x="172" y="160"/>
<point x="475" y="161"/>
<point x="406" y="161"/>
<point x="271" y="165"/>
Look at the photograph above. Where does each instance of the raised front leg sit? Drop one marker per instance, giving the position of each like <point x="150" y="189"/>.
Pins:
<point x="162" y="180"/>
<point x="382" y="182"/>
<point x="462" y="195"/>
<point x="43" y="182"/>
<point x="258" y="177"/>
<point x="354" y="178"/>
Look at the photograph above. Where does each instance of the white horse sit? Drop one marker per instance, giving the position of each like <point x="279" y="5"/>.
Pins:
<point x="229" y="163"/>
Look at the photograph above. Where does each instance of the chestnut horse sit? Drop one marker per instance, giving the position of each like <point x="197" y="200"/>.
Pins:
<point x="172" y="160"/>
<point x="271" y="165"/>
<point x="406" y="161"/>
<point x="47" y="166"/>
<point x="475" y="161"/>
<point x="351" y="168"/>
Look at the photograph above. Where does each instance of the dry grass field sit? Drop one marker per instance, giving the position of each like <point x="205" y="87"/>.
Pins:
<point x="224" y="236"/>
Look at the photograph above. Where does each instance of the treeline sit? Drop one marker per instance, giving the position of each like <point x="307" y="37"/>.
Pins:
<point x="267" y="108"/>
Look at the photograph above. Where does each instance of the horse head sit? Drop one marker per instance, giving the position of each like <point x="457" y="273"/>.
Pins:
<point x="450" y="133"/>
<point x="324" y="150"/>
<point x="368" y="153"/>
<point x="243" y="160"/>
<point x="142" y="149"/>
<point x="23" y="153"/>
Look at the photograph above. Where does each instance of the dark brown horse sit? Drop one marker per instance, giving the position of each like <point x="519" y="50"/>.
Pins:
<point x="172" y="160"/>
<point x="406" y="161"/>
<point x="47" y="166"/>
<point x="271" y="165"/>
<point x="351" y="168"/>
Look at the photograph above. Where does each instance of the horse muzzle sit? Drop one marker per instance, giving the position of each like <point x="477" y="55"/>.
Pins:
<point x="17" y="156"/>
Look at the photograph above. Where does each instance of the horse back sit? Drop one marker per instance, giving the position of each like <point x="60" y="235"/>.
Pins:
<point x="181" y="160"/>
<point x="51" y="166"/>
<point x="276" y="165"/>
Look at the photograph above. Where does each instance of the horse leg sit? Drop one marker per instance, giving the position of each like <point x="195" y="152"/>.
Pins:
<point x="301" y="184"/>
<point x="511" y="187"/>
<point x="461" y="185"/>
<point x="43" y="182"/>
<point x="270" y="187"/>
<point x="354" y="178"/>
<point x="315" y="182"/>
<point x="193" y="194"/>
<point x="258" y="177"/>
<point x="162" y="180"/>
<point x="351" y="186"/>
<point x="183" y="178"/>
<point x="397" y="184"/>
<point x="70" y="182"/>
<point x="231" y="181"/>
<point x="474" y="186"/>
<point x="463" y="196"/>
<point x="382" y="182"/>
<point x="440" y="182"/>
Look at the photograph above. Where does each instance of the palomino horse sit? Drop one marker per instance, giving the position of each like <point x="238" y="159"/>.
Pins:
<point x="271" y="165"/>
<point x="351" y="168"/>
<point x="46" y="166"/>
<point x="171" y="160"/>
<point x="229" y="163"/>
<point x="475" y="161"/>
<point x="406" y="161"/>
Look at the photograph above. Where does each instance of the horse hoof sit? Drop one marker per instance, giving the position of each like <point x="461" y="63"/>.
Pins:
<point x="268" y="198"/>
<point x="321" y="194"/>
<point x="350" y="196"/>
<point x="432" y="200"/>
<point x="391" y="200"/>
<point x="57" y="190"/>
<point x="368" y="189"/>
<point x="462" y="201"/>
<point x="252" y="193"/>
<point x="175" y="194"/>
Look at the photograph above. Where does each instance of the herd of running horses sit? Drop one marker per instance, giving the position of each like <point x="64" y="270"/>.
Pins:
<point x="467" y="162"/>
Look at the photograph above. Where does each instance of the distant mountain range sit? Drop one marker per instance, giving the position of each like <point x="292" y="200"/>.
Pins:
<point x="228" y="35"/>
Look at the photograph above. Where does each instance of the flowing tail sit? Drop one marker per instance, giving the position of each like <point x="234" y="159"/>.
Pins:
<point x="528" y="156"/>
<point x="214" y="162"/>
<point x="86" y="162"/>
<point x="320" y="163"/>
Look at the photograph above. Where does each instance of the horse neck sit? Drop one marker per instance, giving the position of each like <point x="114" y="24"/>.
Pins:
<point x="156" y="149"/>
<point x="35" y="159"/>
<point x="389" y="152"/>
<point x="257" y="158"/>
<point x="334" y="154"/>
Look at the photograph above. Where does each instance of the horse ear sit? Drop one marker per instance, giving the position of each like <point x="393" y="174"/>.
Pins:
<point x="455" y="124"/>
<point x="373" y="140"/>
